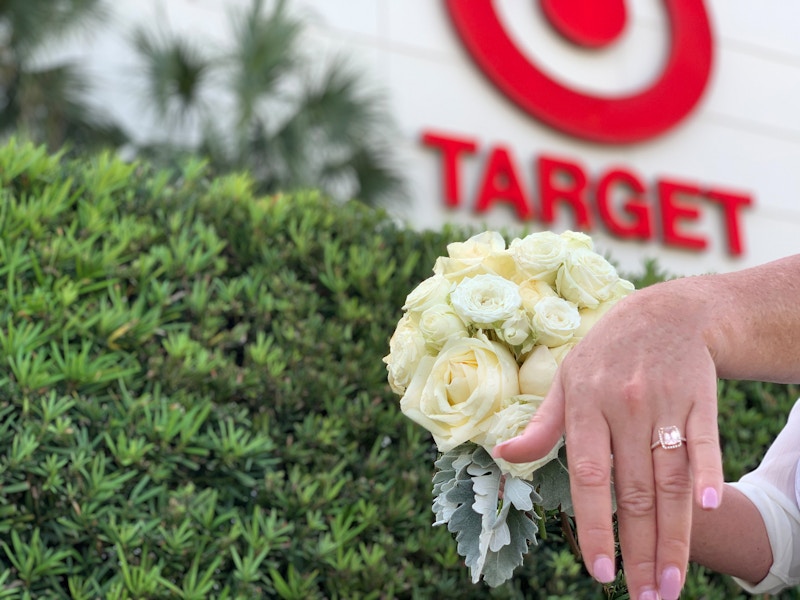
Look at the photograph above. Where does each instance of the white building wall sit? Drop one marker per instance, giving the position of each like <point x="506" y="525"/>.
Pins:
<point x="744" y="135"/>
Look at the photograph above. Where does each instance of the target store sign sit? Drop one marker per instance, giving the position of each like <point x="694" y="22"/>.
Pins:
<point x="618" y="199"/>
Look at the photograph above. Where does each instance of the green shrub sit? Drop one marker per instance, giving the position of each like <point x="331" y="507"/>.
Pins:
<point x="193" y="403"/>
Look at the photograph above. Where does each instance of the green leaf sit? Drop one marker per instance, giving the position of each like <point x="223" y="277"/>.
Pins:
<point x="552" y="483"/>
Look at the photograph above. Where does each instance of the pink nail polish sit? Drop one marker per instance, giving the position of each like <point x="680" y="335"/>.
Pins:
<point x="603" y="569"/>
<point x="648" y="595"/>
<point x="710" y="499"/>
<point x="670" y="588"/>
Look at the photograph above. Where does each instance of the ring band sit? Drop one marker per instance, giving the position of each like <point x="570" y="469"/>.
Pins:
<point x="669" y="438"/>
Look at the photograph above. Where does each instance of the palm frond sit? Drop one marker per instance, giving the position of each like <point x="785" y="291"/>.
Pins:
<point x="287" y="150"/>
<point x="31" y="23"/>
<point x="50" y="107"/>
<point x="368" y="174"/>
<point x="176" y="73"/>
<point x="294" y="123"/>
<point x="352" y="122"/>
<point x="379" y="180"/>
<point x="338" y="101"/>
<point x="265" y="52"/>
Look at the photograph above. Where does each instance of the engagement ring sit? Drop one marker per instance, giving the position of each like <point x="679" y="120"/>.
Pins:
<point x="669" y="438"/>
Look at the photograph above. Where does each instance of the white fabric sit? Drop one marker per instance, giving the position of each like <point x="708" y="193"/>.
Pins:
<point x="774" y="488"/>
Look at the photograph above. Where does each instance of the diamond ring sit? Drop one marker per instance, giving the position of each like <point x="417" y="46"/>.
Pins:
<point x="669" y="438"/>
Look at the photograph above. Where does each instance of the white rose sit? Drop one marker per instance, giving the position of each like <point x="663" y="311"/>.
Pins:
<point x="480" y="245"/>
<point x="533" y="290"/>
<point x="590" y="316"/>
<point x="555" y="321"/>
<point x="576" y="239"/>
<point x="587" y="279"/>
<point x="622" y="289"/>
<point x="433" y="290"/>
<point x="440" y="324"/>
<point x="510" y="422"/>
<point x="484" y="300"/>
<point x="455" y="395"/>
<point x="515" y="330"/>
<point x="559" y="352"/>
<point x="539" y="255"/>
<point x="484" y="253"/>
<point x="537" y="372"/>
<point x="539" y="368"/>
<point x="406" y="350"/>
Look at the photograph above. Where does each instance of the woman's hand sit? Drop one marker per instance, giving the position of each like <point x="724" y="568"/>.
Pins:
<point x="646" y="365"/>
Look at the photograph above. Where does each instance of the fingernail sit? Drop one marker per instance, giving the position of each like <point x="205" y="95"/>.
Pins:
<point x="603" y="569"/>
<point x="710" y="499"/>
<point x="648" y="595"/>
<point x="497" y="451"/>
<point x="670" y="587"/>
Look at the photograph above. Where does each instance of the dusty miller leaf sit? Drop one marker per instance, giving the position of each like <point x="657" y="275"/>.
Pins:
<point x="467" y="525"/>
<point x="482" y="458"/>
<point x="499" y="566"/>
<point x="492" y="535"/>
<point x="552" y="483"/>
<point x="452" y="468"/>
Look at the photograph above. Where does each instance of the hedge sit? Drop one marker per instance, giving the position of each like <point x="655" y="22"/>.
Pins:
<point x="193" y="403"/>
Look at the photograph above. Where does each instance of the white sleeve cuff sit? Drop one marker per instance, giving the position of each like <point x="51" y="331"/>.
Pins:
<point x="782" y="521"/>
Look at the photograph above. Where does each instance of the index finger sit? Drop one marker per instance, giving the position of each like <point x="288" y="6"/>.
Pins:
<point x="542" y="432"/>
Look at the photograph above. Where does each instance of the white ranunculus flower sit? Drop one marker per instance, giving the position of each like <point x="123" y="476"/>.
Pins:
<point x="484" y="300"/>
<point x="587" y="279"/>
<point x="484" y="253"/>
<point x="510" y="422"/>
<point x="439" y="324"/>
<point x="456" y="394"/>
<point x="555" y="321"/>
<point x="433" y="290"/>
<point x="406" y="350"/>
<point x="539" y="255"/>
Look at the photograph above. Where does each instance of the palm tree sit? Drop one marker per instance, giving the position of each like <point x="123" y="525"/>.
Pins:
<point x="260" y="106"/>
<point x="47" y="101"/>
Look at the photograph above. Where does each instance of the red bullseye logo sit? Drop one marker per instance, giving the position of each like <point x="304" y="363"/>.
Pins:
<point x="593" y="24"/>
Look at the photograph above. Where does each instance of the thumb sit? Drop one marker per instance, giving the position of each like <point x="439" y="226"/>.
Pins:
<point x="542" y="432"/>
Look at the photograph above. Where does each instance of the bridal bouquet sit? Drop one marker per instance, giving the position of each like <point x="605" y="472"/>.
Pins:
<point x="472" y="358"/>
